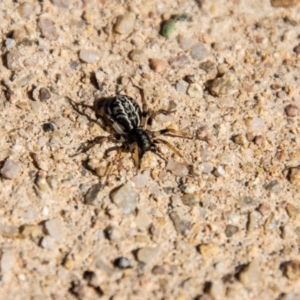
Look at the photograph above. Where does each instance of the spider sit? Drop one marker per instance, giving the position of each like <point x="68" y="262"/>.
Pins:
<point x="129" y="123"/>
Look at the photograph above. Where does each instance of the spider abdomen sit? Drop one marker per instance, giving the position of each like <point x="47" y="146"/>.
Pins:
<point x="142" y="139"/>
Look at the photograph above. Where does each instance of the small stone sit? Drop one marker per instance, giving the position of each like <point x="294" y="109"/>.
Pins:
<point x="147" y="254"/>
<point x="158" y="65"/>
<point x="253" y="220"/>
<point x="8" y="260"/>
<point x="142" y="219"/>
<point x="140" y="181"/>
<point x="264" y="209"/>
<point x="48" y="127"/>
<point x="126" y="198"/>
<point x="292" y="211"/>
<point x="291" y="110"/>
<point x="61" y="3"/>
<point x="47" y="28"/>
<point x="10" y="169"/>
<point x="254" y="124"/>
<point x="179" y="61"/>
<point x="158" y="270"/>
<point x="125" y="23"/>
<point x="291" y="269"/>
<point x="181" y="86"/>
<point x="206" y="167"/>
<point x="89" y="55"/>
<point x="10" y="43"/>
<point x="188" y="188"/>
<point x="10" y="231"/>
<point x="177" y="168"/>
<point x="14" y="60"/>
<point x="122" y="263"/>
<point x="258" y="140"/>
<point x="184" y="42"/>
<point x="48" y="243"/>
<point x="219" y="171"/>
<point x="230" y="230"/>
<point x="240" y="139"/>
<point x="138" y="56"/>
<point x="195" y="90"/>
<point x="191" y="199"/>
<point x="207" y="66"/>
<point x="54" y="229"/>
<point x="251" y="275"/>
<point x="284" y="3"/>
<point x="44" y="94"/>
<point x="273" y="186"/>
<point x="209" y="251"/>
<point x="93" y="195"/>
<point x="112" y="233"/>
<point x="225" y="85"/>
<point x="294" y="175"/>
<point x="199" y="52"/>
<point x="181" y="223"/>
<point x="270" y="223"/>
<point x="25" y="9"/>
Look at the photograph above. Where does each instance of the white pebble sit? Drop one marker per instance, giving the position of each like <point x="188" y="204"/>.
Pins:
<point x="55" y="230"/>
<point x="195" y="90"/>
<point x="89" y="55"/>
<point x="220" y="171"/>
<point x="10" y="169"/>
<point x="9" y="43"/>
<point x="48" y="29"/>
<point x="145" y="255"/>
<point x="48" y="243"/>
<point x="177" y="168"/>
<point x="140" y="181"/>
<point x="125" y="23"/>
<point x="8" y="259"/>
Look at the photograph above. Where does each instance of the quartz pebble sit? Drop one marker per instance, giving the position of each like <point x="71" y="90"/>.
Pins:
<point x="219" y="171"/>
<point x="8" y="260"/>
<point x="199" y="52"/>
<point x="177" y="168"/>
<point x="25" y="9"/>
<point x="14" y="60"/>
<point x="89" y="55"/>
<point x="230" y="230"/>
<point x="10" y="169"/>
<point x="123" y="263"/>
<point x="273" y="186"/>
<point x="190" y="199"/>
<point x="61" y="3"/>
<point x="181" y="223"/>
<point x="158" y="65"/>
<point x="55" y="230"/>
<point x="147" y="254"/>
<point x="291" y="110"/>
<point x="195" y="90"/>
<point x="185" y="42"/>
<point x="138" y="55"/>
<point x="10" y="43"/>
<point x="294" y="175"/>
<point x="48" y="243"/>
<point x="125" y="198"/>
<point x="125" y="23"/>
<point x="47" y="28"/>
<point x="225" y="85"/>
<point x="140" y="181"/>
<point x="10" y="231"/>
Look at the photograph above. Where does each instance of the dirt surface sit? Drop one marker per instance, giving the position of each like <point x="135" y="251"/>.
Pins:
<point x="225" y="224"/>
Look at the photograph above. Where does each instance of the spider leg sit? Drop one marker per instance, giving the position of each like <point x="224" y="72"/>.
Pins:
<point x="171" y="147"/>
<point x="171" y="132"/>
<point x="134" y="149"/>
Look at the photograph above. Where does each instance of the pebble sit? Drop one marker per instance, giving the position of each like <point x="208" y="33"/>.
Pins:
<point x="123" y="263"/>
<point x="48" y="243"/>
<point x="191" y="199"/>
<point x="188" y="188"/>
<point x="89" y="55"/>
<point x="126" y="198"/>
<point x="250" y="276"/>
<point x="264" y="209"/>
<point x="184" y="42"/>
<point x="225" y="85"/>
<point x="125" y="23"/>
<point x="206" y="167"/>
<point x="291" y="110"/>
<point x="14" y="60"/>
<point x="297" y="49"/>
<point x="55" y="230"/>
<point x="240" y="139"/>
<point x="273" y="186"/>
<point x="177" y="168"/>
<point x="112" y="233"/>
<point x="230" y="230"/>
<point x="168" y="28"/>
<point x="138" y="56"/>
<point x="199" y="52"/>
<point x="253" y="220"/>
<point x="47" y="28"/>
<point x="292" y="211"/>
<point x="181" y="223"/>
<point x="10" y="169"/>
<point x="294" y="175"/>
<point x="219" y="171"/>
<point x="254" y="124"/>
<point x="93" y="195"/>
<point x="208" y="250"/>
<point x="140" y="181"/>
<point x="284" y="3"/>
<point x="10" y="43"/>
<point x="158" y="65"/>
<point x="207" y="66"/>
<point x="181" y="86"/>
<point x="8" y="260"/>
<point x="61" y="3"/>
<point x="147" y="254"/>
<point x="195" y="90"/>
<point x="291" y="269"/>
<point x="10" y="231"/>
<point x="158" y="270"/>
<point x="142" y="219"/>
<point x="48" y="127"/>
<point x="44" y="94"/>
<point x="25" y="9"/>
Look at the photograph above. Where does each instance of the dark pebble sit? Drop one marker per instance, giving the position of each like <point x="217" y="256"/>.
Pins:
<point x="48" y="127"/>
<point x="123" y="263"/>
<point x="44" y="94"/>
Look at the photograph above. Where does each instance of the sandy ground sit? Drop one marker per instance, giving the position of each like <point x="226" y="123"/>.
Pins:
<point x="225" y="227"/>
